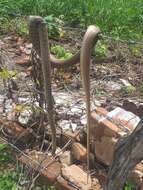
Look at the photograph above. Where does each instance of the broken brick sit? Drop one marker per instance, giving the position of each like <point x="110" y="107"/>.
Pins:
<point x="63" y="184"/>
<point x="107" y="129"/>
<point x="79" y="152"/>
<point x="76" y="176"/>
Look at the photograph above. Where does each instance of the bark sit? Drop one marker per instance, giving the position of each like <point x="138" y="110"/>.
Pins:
<point x="128" y="153"/>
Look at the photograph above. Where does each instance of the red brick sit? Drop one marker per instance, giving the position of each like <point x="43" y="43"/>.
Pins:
<point x="79" y="152"/>
<point x="101" y="111"/>
<point x="101" y="126"/>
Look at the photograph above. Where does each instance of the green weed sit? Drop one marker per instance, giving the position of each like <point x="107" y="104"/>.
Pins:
<point x="60" y="52"/>
<point x="128" y="90"/>
<point x="54" y="26"/>
<point x="100" y="50"/>
<point x="129" y="186"/>
<point x="4" y="155"/>
<point x="7" y="180"/>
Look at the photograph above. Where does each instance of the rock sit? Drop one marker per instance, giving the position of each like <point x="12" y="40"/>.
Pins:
<point x="130" y="106"/>
<point x="125" y="82"/>
<point x="73" y="127"/>
<point x="39" y="160"/>
<point x="113" y="86"/>
<point x="140" y="111"/>
<point x="79" y="152"/>
<point x="133" y="107"/>
<point x="62" y="184"/>
<point x="137" y="175"/>
<point x="65" y="158"/>
<point x="23" y="61"/>
<point x="96" y="184"/>
<point x="28" y="49"/>
<point x="76" y="176"/>
<point x="25" y="116"/>
<point x="64" y="124"/>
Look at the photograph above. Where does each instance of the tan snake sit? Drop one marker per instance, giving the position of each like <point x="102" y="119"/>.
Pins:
<point x="89" y="40"/>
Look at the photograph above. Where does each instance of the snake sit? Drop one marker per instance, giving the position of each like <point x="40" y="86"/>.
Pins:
<point x="83" y="56"/>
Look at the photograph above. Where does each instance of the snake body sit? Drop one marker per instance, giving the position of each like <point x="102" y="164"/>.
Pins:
<point x="34" y="22"/>
<point x="90" y="39"/>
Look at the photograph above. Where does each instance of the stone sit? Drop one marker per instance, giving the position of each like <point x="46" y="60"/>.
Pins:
<point x="62" y="184"/>
<point x="65" y="158"/>
<point x="79" y="152"/>
<point x="140" y="111"/>
<point x="76" y="176"/>
<point x="134" y="107"/>
<point x="14" y="129"/>
<point x="23" y="61"/>
<point x="38" y="161"/>
<point x="95" y="184"/>
<point x="137" y="175"/>
<point x="130" y="106"/>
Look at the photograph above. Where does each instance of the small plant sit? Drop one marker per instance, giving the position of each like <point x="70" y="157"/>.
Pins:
<point x="4" y="155"/>
<point x="136" y="50"/>
<point x="129" y="186"/>
<point x="5" y="74"/>
<point x="128" y="89"/>
<point x="60" y="52"/>
<point x="100" y="50"/>
<point x="54" y="26"/>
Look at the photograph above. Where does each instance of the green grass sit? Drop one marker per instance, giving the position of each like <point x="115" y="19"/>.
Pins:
<point x="122" y="18"/>
<point x="7" y="180"/>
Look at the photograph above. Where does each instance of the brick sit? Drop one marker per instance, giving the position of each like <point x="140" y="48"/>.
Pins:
<point x="65" y="158"/>
<point x="102" y="126"/>
<point x="101" y="111"/>
<point x="104" y="149"/>
<point x="79" y="152"/>
<point x="107" y="128"/>
<point x="77" y="176"/>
